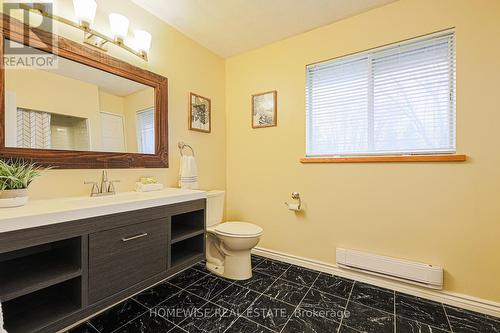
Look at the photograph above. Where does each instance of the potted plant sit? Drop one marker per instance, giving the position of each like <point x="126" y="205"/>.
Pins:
<point x="15" y="177"/>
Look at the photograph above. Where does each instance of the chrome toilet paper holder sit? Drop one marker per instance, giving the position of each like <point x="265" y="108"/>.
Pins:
<point x="295" y="196"/>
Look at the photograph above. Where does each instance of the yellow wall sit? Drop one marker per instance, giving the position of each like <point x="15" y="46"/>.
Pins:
<point x="445" y="214"/>
<point x="44" y="91"/>
<point x="441" y="213"/>
<point x="128" y="106"/>
<point x="134" y="103"/>
<point x="110" y="103"/>
<point x="181" y="60"/>
<point x="58" y="94"/>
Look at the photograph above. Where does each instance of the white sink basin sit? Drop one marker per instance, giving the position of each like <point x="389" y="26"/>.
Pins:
<point x="117" y="198"/>
<point x="37" y="213"/>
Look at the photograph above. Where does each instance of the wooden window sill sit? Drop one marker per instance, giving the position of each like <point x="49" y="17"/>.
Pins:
<point x="384" y="159"/>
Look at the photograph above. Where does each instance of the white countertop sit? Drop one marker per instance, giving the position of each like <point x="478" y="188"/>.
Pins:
<point x="39" y="213"/>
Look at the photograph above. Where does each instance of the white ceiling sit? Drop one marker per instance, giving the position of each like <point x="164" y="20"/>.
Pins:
<point x="229" y="27"/>
<point x="110" y="83"/>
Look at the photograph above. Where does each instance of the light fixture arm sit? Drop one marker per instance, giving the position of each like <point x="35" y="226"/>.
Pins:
<point x="91" y="37"/>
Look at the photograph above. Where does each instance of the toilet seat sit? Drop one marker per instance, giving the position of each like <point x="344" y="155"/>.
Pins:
<point x="238" y="229"/>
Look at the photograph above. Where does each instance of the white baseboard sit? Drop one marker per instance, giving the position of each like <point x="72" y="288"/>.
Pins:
<point x="447" y="297"/>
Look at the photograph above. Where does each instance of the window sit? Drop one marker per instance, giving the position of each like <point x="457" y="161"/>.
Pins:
<point x="396" y="100"/>
<point x="146" y="131"/>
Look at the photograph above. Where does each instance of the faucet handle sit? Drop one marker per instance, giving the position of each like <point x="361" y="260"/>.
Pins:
<point x="111" y="187"/>
<point x="95" y="187"/>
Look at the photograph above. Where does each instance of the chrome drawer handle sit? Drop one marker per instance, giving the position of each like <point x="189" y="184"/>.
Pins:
<point x="134" y="237"/>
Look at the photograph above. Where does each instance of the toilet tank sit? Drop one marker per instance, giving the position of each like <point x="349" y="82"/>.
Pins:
<point x="215" y="207"/>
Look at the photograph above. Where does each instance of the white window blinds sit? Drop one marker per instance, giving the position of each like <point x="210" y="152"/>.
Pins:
<point x="146" y="131"/>
<point x="395" y="100"/>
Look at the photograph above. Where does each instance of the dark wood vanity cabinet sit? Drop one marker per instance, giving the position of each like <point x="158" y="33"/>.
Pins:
<point x="122" y="257"/>
<point x="54" y="276"/>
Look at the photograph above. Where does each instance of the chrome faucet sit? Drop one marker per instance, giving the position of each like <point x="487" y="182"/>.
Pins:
<point x="104" y="180"/>
<point x="107" y="187"/>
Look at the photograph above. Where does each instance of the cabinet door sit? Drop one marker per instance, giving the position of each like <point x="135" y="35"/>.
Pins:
<point x="122" y="257"/>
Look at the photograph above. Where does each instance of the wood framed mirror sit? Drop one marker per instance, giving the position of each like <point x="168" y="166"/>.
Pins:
<point x="69" y="106"/>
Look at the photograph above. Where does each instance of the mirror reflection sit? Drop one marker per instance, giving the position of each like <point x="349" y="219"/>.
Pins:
<point x="71" y="106"/>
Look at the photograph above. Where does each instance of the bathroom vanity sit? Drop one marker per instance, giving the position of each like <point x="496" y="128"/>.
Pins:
<point x="66" y="259"/>
<point x="63" y="260"/>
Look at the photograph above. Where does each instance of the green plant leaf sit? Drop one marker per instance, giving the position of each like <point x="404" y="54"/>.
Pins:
<point x="18" y="174"/>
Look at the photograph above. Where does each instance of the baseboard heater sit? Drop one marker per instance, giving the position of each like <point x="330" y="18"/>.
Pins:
<point x="399" y="269"/>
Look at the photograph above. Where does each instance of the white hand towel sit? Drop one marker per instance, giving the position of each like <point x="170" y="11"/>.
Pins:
<point x="188" y="175"/>
<point x="2" y="330"/>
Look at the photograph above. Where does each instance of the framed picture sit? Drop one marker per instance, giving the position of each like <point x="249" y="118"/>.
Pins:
<point x="264" y="109"/>
<point x="199" y="113"/>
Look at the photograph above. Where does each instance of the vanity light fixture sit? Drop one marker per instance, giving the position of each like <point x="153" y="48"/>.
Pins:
<point x="119" y="27"/>
<point x="85" y="11"/>
<point x="142" y="41"/>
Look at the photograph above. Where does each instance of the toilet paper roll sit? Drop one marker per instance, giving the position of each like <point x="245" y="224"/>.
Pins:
<point x="294" y="207"/>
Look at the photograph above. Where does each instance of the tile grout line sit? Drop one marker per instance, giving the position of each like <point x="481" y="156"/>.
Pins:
<point x="311" y="287"/>
<point x="260" y="262"/>
<point x="276" y="279"/>
<point x="447" y="319"/>
<point x="230" y="284"/>
<point x="142" y="313"/>
<point x="395" y="316"/>
<point x="334" y="295"/>
<point x="298" y="305"/>
<point x="351" y="301"/>
<point x="386" y="290"/>
<point x="240" y="315"/>
<point x="181" y="289"/>
<point x="125" y="300"/>
<point x="295" y="306"/>
<point x="88" y="322"/>
<point x="358" y="303"/>
<point x="207" y="300"/>
<point x="144" y="306"/>
<point x="345" y="308"/>
<point x="260" y="295"/>
<point x="421" y="322"/>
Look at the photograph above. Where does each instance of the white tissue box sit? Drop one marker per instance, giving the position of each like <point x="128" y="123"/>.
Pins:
<point x="140" y="187"/>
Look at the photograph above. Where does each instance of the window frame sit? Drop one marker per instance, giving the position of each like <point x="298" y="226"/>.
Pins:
<point x="437" y="155"/>
<point x="139" y="131"/>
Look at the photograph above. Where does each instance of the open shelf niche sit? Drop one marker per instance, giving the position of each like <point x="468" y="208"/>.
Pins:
<point x="40" y="284"/>
<point x="187" y="237"/>
<point x="36" y="310"/>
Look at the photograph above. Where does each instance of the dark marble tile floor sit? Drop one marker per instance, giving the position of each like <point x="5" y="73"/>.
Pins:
<point x="280" y="298"/>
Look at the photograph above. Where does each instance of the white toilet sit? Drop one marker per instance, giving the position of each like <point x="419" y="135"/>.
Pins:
<point x="229" y="244"/>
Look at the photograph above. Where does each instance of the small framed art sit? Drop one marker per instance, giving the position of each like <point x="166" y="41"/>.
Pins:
<point x="264" y="109"/>
<point x="199" y="113"/>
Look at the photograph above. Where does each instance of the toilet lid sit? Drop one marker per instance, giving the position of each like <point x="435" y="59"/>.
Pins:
<point x="239" y="229"/>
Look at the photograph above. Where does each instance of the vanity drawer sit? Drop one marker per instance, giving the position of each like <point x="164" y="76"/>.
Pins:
<point x="122" y="257"/>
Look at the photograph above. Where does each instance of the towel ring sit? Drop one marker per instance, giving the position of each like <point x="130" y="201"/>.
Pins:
<point x="183" y="146"/>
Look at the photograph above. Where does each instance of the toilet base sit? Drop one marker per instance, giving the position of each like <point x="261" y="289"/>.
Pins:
<point x="216" y="269"/>
<point x="237" y="266"/>
<point x="229" y="256"/>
